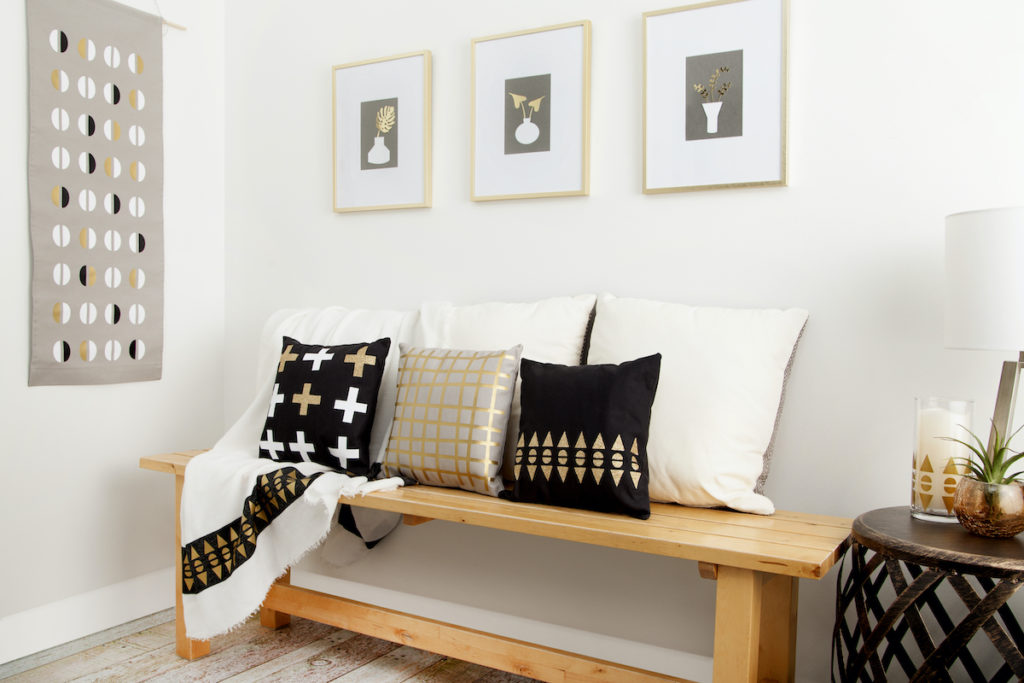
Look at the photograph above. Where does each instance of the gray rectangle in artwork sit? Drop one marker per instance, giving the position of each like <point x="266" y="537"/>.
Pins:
<point x="528" y="114"/>
<point x="378" y="134"/>
<point x="714" y="95"/>
<point x="95" y="182"/>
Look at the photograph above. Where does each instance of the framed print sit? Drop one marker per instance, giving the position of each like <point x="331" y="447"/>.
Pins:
<point x="531" y="113"/>
<point x="714" y="101"/>
<point x="382" y="133"/>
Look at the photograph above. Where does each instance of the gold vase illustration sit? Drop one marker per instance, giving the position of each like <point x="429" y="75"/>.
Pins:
<point x="527" y="132"/>
<point x="712" y="107"/>
<point x="379" y="153"/>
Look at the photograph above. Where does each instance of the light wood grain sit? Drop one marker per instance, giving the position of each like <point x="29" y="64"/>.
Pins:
<point x="172" y="463"/>
<point x="272" y="618"/>
<point x="494" y="651"/>
<point x="776" y="653"/>
<point x="737" y="625"/>
<point x="715" y="536"/>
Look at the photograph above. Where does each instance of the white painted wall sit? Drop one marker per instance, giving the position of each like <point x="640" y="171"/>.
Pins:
<point x="86" y="534"/>
<point x="899" y="113"/>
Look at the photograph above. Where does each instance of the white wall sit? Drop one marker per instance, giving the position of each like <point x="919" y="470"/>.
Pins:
<point x="78" y="518"/>
<point x="899" y="113"/>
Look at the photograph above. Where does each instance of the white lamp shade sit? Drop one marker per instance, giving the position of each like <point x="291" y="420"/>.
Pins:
<point x="985" y="279"/>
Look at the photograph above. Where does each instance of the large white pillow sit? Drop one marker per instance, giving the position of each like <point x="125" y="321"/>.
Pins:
<point x="719" y="394"/>
<point x="550" y="331"/>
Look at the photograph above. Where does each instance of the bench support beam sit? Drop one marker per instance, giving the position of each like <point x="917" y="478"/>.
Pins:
<point x="487" y="649"/>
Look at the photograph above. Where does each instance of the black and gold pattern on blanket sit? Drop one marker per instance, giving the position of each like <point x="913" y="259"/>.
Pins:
<point x="211" y="559"/>
<point x="323" y="403"/>
<point x="95" y="190"/>
<point x="583" y="435"/>
<point x="451" y="414"/>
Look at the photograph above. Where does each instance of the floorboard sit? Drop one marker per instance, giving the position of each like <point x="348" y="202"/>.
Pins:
<point x="304" y="651"/>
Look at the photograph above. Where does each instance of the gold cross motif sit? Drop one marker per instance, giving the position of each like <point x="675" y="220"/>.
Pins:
<point x="305" y="399"/>
<point x="286" y="357"/>
<point x="360" y="359"/>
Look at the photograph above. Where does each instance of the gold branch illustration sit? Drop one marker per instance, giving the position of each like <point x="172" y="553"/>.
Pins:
<point x="707" y="92"/>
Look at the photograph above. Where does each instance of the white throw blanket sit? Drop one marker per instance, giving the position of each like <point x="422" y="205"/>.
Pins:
<point x="245" y="520"/>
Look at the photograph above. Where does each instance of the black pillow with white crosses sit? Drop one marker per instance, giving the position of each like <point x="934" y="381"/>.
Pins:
<point x="322" y="405"/>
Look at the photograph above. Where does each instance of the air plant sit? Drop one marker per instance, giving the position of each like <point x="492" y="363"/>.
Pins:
<point x="990" y="465"/>
<point x="707" y="92"/>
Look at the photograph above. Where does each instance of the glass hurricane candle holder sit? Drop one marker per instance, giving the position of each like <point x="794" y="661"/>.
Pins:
<point x="937" y="466"/>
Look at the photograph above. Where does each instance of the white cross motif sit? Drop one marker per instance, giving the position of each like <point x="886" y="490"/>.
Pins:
<point x="271" y="446"/>
<point x="350" y="405"/>
<point x="343" y="453"/>
<point x="275" y="398"/>
<point x="301" y="447"/>
<point x="319" y="357"/>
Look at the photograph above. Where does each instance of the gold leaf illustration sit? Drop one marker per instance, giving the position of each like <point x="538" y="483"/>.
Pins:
<point x="385" y="119"/>
<point x="517" y="100"/>
<point x="535" y="104"/>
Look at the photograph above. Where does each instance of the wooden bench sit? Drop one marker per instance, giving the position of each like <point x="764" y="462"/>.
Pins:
<point x="755" y="560"/>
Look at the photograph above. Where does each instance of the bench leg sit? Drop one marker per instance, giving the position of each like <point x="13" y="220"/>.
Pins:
<point x="777" y="656"/>
<point x="737" y="624"/>
<point x="755" y="627"/>
<point x="186" y="647"/>
<point x="272" y="618"/>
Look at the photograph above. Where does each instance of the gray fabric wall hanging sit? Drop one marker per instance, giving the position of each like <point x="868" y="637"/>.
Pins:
<point x="95" y="182"/>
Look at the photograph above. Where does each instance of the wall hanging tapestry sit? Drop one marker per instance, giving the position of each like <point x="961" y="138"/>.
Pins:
<point x="95" y="181"/>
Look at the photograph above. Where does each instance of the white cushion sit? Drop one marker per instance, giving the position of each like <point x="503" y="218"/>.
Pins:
<point x="719" y="394"/>
<point x="550" y="331"/>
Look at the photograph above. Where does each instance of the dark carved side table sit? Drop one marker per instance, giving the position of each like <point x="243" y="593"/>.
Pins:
<point x="930" y="597"/>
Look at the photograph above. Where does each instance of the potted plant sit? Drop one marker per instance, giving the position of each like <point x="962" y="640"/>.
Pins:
<point x="988" y="500"/>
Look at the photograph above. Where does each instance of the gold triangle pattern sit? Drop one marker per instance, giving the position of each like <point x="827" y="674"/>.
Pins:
<point x="588" y="463"/>
<point x="212" y="559"/>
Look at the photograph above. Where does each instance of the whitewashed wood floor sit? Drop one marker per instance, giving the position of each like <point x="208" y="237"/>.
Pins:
<point x="303" y="651"/>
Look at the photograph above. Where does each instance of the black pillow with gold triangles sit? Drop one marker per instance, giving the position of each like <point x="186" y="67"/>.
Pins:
<point x="583" y="435"/>
<point x="322" y="405"/>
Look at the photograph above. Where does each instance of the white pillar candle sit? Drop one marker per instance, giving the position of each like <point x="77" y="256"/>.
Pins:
<point x="936" y="464"/>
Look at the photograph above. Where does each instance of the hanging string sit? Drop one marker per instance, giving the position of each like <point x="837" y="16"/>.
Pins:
<point x="169" y="24"/>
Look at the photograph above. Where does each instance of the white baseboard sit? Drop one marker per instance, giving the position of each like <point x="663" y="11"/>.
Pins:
<point x="53" y="624"/>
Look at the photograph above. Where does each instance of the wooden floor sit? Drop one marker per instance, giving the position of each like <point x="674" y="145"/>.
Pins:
<point x="304" y="651"/>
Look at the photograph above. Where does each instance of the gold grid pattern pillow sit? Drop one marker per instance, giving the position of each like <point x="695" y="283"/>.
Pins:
<point x="451" y="415"/>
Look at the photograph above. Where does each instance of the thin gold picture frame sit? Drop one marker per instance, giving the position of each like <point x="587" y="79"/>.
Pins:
<point x="426" y="137"/>
<point x="584" y="188"/>
<point x="783" y="167"/>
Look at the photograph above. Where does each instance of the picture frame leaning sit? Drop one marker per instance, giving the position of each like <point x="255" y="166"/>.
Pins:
<point x="714" y="96"/>
<point x="381" y="120"/>
<point x="531" y="113"/>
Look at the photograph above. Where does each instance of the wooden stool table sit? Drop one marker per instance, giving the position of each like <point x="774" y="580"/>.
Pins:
<point x="890" y="607"/>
